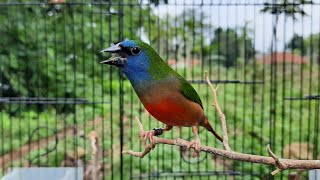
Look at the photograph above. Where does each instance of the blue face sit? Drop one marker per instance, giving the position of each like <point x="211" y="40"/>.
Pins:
<point x="137" y="64"/>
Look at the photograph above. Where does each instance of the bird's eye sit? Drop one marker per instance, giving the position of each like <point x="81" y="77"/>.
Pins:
<point x="135" y="50"/>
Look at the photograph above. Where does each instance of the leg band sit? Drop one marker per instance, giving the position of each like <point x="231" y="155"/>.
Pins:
<point x="158" y="131"/>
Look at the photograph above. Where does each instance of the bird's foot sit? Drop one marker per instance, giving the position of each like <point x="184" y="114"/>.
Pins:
<point x="147" y="134"/>
<point x="197" y="147"/>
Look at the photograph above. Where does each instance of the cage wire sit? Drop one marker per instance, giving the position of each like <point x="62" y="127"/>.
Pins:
<point x="264" y="55"/>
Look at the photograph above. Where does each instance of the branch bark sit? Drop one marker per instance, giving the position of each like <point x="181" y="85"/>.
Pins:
<point x="273" y="160"/>
<point x="221" y="115"/>
<point x="94" y="138"/>
<point x="281" y="164"/>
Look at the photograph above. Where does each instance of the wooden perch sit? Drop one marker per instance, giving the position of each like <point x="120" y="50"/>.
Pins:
<point x="281" y="164"/>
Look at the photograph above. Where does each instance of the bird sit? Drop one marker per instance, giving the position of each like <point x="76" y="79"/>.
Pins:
<point x="166" y="95"/>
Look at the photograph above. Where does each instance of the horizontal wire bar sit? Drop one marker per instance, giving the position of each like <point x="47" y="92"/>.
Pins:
<point x="51" y="102"/>
<point x="148" y="4"/>
<point x="225" y="82"/>
<point x="312" y="96"/>
<point x="108" y="13"/>
<point x="42" y="100"/>
<point x="307" y="97"/>
<point x="200" y="173"/>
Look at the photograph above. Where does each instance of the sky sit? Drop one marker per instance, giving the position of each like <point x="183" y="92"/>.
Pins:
<point x="235" y="16"/>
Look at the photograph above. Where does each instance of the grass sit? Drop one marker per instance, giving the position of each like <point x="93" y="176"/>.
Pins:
<point x="254" y="120"/>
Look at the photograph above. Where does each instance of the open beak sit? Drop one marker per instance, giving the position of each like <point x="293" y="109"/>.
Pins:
<point x="113" y="49"/>
<point x="117" y="59"/>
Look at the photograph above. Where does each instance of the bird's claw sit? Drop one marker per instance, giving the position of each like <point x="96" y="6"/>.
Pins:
<point x="197" y="147"/>
<point x="147" y="134"/>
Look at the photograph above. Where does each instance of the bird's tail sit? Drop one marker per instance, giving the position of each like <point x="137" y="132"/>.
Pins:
<point x="208" y="126"/>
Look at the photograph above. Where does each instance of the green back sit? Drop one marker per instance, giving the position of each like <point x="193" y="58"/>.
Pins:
<point x="160" y="70"/>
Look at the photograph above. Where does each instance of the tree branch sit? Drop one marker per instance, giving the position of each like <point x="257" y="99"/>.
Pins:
<point x="278" y="162"/>
<point x="221" y="115"/>
<point x="94" y="138"/>
<point x="281" y="164"/>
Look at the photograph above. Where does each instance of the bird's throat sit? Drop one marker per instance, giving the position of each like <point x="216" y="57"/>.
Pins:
<point x="139" y="80"/>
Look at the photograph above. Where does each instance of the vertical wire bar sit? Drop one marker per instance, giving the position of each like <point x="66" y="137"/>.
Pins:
<point x="201" y="58"/>
<point x="283" y="91"/>
<point x="272" y="79"/>
<point x="184" y="53"/>
<point x="158" y="49"/>
<point x="235" y="92"/>
<point x="206" y="132"/>
<point x="185" y="62"/>
<point x="244" y="104"/>
<point x="263" y="89"/>
<point x="218" y="77"/>
<point x="291" y="92"/>
<point x="226" y="66"/>
<point x="191" y="60"/>
<point x="219" y="40"/>
<point x="131" y="96"/>
<point x="317" y="109"/>
<point x="301" y="89"/>
<point x="102" y="140"/>
<point x="149" y="37"/>
<point x="1" y="112"/>
<point x="211" y="32"/>
<point x="111" y="94"/>
<point x="254" y="89"/>
<point x="38" y="80"/>
<point x="310" y="83"/>
<point x="176" y="45"/>
<point x="210" y="71"/>
<point x="92" y="65"/>
<point x="193" y="40"/>
<point x="10" y="132"/>
<point x="168" y="56"/>
<point x="65" y="80"/>
<point x="20" y="118"/>
<point x="56" y="76"/>
<point x="275" y="81"/>
<point x="317" y="106"/>
<point x="74" y="64"/>
<point x="140" y="25"/>
<point x="201" y="36"/>
<point x="47" y="79"/>
<point x="83" y="82"/>
<point x="27" y="84"/>
<point x="121" y="92"/>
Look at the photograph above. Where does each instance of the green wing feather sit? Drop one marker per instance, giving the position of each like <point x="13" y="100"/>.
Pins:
<point x="161" y="70"/>
<point x="189" y="92"/>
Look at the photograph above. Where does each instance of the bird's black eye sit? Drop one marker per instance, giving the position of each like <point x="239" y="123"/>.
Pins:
<point x="135" y="50"/>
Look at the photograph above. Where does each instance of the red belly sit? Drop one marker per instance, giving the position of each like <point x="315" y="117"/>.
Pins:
<point x="175" y="113"/>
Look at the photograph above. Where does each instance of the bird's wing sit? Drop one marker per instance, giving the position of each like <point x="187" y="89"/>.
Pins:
<point x="189" y="92"/>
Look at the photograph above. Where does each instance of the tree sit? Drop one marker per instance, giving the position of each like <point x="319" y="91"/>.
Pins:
<point x="229" y="45"/>
<point x="226" y="45"/>
<point x="49" y="50"/>
<point x="312" y="44"/>
<point x="290" y="8"/>
<point x="296" y="44"/>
